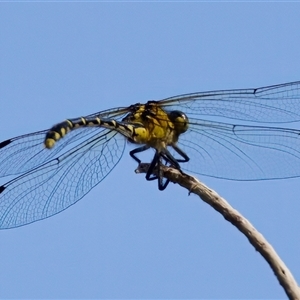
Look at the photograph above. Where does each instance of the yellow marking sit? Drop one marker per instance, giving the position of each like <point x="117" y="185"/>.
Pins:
<point x="83" y="121"/>
<point x="126" y="128"/>
<point x="70" y="124"/>
<point x="62" y="132"/>
<point x="141" y="135"/>
<point x="50" y="142"/>
<point x="129" y="128"/>
<point x="98" y="120"/>
<point x="56" y="136"/>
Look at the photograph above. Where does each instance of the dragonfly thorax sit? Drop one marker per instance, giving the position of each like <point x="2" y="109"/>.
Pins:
<point x="156" y="127"/>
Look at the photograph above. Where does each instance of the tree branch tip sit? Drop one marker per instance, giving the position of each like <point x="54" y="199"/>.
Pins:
<point x="260" y="244"/>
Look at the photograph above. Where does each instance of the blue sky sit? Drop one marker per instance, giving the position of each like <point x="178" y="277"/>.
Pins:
<point x="126" y="239"/>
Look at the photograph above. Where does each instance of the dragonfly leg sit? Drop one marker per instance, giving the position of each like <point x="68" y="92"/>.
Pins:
<point x="156" y="162"/>
<point x="181" y="153"/>
<point x="138" y="150"/>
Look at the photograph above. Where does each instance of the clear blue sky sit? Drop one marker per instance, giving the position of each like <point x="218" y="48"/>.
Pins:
<point x="126" y="239"/>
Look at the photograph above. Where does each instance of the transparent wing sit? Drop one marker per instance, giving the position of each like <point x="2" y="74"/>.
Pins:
<point x="112" y="113"/>
<point x="239" y="152"/>
<point x="60" y="182"/>
<point x="272" y="104"/>
<point x="23" y="153"/>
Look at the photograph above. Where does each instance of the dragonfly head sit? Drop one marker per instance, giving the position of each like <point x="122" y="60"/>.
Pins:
<point x="180" y="121"/>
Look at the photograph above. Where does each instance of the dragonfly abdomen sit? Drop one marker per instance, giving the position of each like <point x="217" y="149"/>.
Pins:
<point x="134" y="132"/>
<point x="59" y="130"/>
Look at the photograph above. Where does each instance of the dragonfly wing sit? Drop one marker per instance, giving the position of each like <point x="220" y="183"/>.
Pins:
<point x="23" y="153"/>
<point x="239" y="152"/>
<point x="272" y="104"/>
<point x="56" y="184"/>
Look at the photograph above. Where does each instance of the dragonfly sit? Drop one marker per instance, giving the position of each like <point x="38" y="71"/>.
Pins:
<point x="238" y="134"/>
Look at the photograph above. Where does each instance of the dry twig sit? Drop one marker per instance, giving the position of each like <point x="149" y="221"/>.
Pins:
<point x="257" y="240"/>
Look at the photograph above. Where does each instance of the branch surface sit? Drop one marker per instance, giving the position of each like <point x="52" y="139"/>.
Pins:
<point x="257" y="240"/>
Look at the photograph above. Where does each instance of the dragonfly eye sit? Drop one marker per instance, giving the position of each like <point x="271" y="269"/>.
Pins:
<point x="180" y="121"/>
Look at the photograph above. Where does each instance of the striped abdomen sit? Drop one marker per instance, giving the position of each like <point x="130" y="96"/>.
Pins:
<point x="58" y="131"/>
